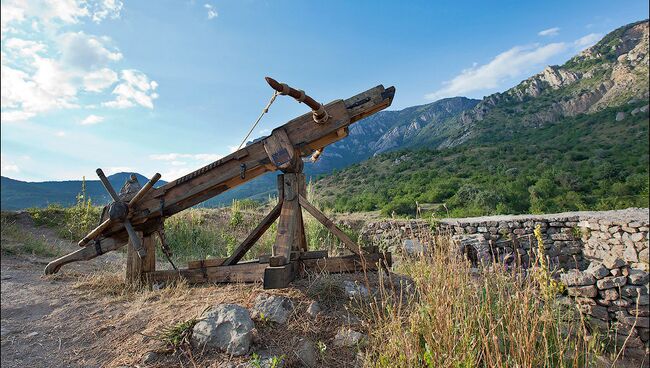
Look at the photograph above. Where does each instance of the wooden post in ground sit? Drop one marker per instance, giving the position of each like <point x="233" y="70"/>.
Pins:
<point x="136" y="267"/>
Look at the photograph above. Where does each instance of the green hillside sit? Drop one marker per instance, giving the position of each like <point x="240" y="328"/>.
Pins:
<point x="573" y="137"/>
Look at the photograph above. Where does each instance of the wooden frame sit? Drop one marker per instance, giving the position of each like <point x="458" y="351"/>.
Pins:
<point x="289" y="259"/>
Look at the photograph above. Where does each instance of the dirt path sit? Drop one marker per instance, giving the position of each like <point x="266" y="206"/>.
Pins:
<point x="85" y="316"/>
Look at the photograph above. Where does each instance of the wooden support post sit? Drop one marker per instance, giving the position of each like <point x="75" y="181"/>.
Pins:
<point x="291" y="234"/>
<point x="136" y="267"/>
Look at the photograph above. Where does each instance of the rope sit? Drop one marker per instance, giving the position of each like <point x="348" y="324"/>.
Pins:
<point x="266" y="109"/>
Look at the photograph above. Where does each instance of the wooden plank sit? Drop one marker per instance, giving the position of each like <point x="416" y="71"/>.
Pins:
<point x="290" y="235"/>
<point x="254" y="236"/>
<point x="203" y="263"/>
<point x="352" y="263"/>
<point x="318" y="215"/>
<point x="279" y="149"/>
<point x="136" y="267"/>
<point x="245" y="272"/>
<point x="279" y="277"/>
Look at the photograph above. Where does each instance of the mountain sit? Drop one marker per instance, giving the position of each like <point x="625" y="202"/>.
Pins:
<point x="574" y="136"/>
<point x="18" y="194"/>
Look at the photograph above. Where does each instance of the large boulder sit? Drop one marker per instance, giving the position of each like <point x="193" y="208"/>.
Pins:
<point x="355" y="290"/>
<point x="225" y="327"/>
<point x="273" y="308"/>
<point x="346" y="337"/>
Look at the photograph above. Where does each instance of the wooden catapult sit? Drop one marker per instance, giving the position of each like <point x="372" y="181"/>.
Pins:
<point x="137" y="213"/>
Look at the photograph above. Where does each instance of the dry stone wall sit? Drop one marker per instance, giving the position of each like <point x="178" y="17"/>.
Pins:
<point x="571" y="240"/>
<point x="602" y="258"/>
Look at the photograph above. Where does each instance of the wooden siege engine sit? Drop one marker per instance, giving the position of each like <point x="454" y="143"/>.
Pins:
<point x="136" y="215"/>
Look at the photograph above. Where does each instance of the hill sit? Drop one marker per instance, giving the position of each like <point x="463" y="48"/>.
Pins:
<point x="571" y="137"/>
<point x="18" y="194"/>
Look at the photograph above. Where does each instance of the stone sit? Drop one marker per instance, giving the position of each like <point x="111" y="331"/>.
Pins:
<point x="637" y="277"/>
<point x="644" y="255"/>
<point x="273" y="308"/>
<point x="412" y="247"/>
<point x="630" y="254"/>
<point x="644" y="334"/>
<point x="595" y="311"/>
<point x="611" y="282"/>
<point x="632" y="291"/>
<point x="355" y="290"/>
<point x="626" y="318"/>
<point x="640" y="311"/>
<point x="597" y="270"/>
<point x="609" y="294"/>
<point x="616" y="272"/>
<point x="636" y="237"/>
<point x="346" y="337"/>
<point x="612" y="262"/>
<point x="306" y="353"/>
<point x="313" y="309"/>
<point x="225" y="327"/>
<point x="577" y="278"/>
<point x="587" y="291"/>
<point x="149" y="358"/>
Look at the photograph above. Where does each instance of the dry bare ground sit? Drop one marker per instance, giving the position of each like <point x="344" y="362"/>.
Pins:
<point x="86" y="317"/>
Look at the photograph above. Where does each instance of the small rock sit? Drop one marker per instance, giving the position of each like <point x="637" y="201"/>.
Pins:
<point x="616" y="272"/>
<point x="612" y="262"/>
<point x="355" y="290"/>
<point x="273" y="308"/>
<point x="149" y="358"/>
<point x="597" y="270"/>
<point x="306" y="353"/>
<point x="620" y="116"/>
<point x="609" y="294"/>
<point x="346" y="337"/>
<point x="412" y="247"/>
<point x="31" y="334"/>
<point x="588" y="291"/>
<point x="226" y="327"/>
<point x="611" y="282"/>
<point x="637" y="277"/>
<point x="577" y="278"/>
<point x="314" y="309"/>
<point x="595" y="311"/>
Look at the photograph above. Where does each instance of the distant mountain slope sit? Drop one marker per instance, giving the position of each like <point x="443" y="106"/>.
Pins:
<point x="16" y="194"/>
<point x="571" y="137"/>
<point x="610" y="73"/>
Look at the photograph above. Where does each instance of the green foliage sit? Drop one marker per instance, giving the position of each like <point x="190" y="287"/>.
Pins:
<point x="72" y="223"/>
<point x="589" y="161"/>
<point x="16" y="240"/>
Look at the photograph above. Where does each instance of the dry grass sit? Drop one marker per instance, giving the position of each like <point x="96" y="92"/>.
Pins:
<point x="466" y="317"/>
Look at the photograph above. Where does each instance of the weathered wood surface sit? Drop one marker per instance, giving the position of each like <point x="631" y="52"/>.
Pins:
<point x="137" y="267"/>
<point x="290" y="235"/>
<point x="203" y="263"/>
<point x="244" y="272"/>
<point x="351" y="263"/>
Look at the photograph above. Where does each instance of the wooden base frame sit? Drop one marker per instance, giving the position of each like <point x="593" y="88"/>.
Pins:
<point x="289" y="258"/>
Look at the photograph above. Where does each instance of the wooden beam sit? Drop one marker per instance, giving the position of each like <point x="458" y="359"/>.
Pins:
<point x="254" y="236"/>
<point x="203" y="263"/>
<point x="351" y="263"/>
<point x="318" y="215"/>
<point x="245" y="272"/>
<point x="137" y="267"/>
<point x="290" y="236"/>
<point x="279" y="277"/>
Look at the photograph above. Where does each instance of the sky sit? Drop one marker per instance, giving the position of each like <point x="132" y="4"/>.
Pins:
<point x="170" y="86"/>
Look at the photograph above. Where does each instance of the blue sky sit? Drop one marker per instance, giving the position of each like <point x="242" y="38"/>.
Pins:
<point x="169" y="86"/>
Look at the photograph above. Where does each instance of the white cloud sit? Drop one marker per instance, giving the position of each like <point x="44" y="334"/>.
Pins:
<point x="588" y="40"/>
<point x="60" y="133"/>
<point x="512" y="63"/>
<point x="232" y="148"/>
<point x="98" y="80"/>
<point x="92" y="119"/>
<point x="134" y="89"/>
<point x="8" y="166"/>
<point x="46" y="66"/>
<point x="118" y="169"/>
<point x="550" y="32"/>
<point x="85" y="51"/>
<point x="203" y="157"/>
<point x="212" y="12"/>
